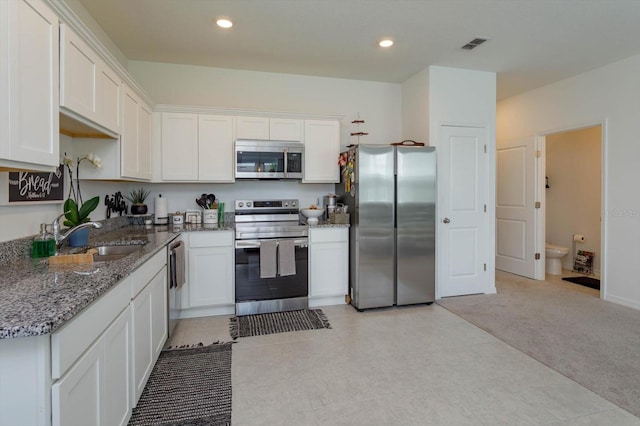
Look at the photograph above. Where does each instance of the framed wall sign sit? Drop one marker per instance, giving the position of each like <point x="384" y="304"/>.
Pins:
<point x="23" y="188"/>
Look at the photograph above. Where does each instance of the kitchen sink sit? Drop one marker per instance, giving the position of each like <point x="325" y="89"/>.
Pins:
<point x="110" y="253"/>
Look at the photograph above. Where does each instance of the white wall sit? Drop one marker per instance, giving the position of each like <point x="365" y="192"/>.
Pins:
<point x="573" y="161"/>
<point x="415" y="107"/>
<point x="465" y="97"/>
<point x="379" y="104"/>
<point x="606" y="95"/>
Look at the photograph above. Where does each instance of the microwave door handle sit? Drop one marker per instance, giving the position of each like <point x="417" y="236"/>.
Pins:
<point x="286" y="160"/>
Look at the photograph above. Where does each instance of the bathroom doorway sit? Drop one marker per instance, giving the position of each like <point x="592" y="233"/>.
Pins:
<point x="573" y="197"/>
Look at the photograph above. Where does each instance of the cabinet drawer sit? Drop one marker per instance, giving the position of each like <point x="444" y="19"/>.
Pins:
<point x="211" y="239"/>
<point x="68" y="343"/>
<point x="147" y="271"/>
<point x="328" y="235"/>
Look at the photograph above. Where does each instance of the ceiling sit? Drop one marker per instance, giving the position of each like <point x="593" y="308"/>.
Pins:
<point x="532" y="42"/>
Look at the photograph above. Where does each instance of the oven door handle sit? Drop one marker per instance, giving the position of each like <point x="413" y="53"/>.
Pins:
<point x="299" y="242"/>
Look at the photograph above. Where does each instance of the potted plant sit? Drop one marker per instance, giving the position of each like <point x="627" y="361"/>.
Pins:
<point x="76" y="212"/>
<point x="137" y="198"/>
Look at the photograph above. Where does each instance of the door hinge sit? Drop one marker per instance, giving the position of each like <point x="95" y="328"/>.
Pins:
<point x="485" y="148"/>
<point x="537" y="204"/>
<point x="537" y="256"/>
<point x="485" y="208"/>
<point x="538" y="154"/>
<point x="485" y="266"/>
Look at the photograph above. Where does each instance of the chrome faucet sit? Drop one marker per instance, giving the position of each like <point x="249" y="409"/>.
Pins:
<point x="60" y="239"/>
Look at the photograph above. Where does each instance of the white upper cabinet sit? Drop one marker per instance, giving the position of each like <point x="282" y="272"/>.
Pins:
<point x="179" y="147"/>
<point x="89" y="89"/>
<point x="29" y="97"/>
<point x="321" y="150"/>
<point x="135" y="141"/>
<point x="197" y="147"/>
<point x="215" y="148"/>
<point x="285" y="129"/>
<point x="252" y="128"/>
<point x="281" y="129"/>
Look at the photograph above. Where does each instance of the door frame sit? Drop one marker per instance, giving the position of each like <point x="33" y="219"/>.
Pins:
<point x="604" y="207"/>
<point x="490" y="194"/>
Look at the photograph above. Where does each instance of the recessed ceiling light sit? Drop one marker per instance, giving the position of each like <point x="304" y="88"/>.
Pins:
<point x="224" y="23"/>
<point x="387" y="42"/>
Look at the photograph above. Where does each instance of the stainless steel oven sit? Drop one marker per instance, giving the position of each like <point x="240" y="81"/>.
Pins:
<point x="269" y="231"/>
<point x="258" y="159"/>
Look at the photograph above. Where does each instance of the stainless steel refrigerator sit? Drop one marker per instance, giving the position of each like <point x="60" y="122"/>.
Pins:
<point x="392" y="202"/>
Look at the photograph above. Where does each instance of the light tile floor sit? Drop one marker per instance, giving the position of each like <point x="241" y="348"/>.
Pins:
<point x="417" y="365"/>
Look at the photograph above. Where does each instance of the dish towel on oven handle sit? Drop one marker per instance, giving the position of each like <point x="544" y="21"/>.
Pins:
<point x="287" y="257"/>
<point x="177" y="265"/>
<point x="268" y="265"/>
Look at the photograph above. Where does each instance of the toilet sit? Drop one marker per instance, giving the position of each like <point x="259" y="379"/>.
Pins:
<point x="554" y="254"/>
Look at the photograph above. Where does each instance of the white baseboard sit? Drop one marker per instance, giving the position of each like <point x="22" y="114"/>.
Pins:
<point x="326" y="301"/>
<point x="623" y="301"/>
<point x="208" y="311"/>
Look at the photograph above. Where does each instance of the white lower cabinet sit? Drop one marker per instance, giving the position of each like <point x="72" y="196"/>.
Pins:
<point x="95" y="390"/>
<point x="210" y="287"/>
<point x="328" y="266"/>
<point x="149" y="319"/>
<point x="101" y="360"/>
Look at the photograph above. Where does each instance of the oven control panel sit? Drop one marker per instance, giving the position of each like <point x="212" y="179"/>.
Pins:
<point x="257" y="205"/>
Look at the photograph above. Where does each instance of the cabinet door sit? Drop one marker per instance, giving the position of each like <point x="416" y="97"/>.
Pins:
<point x="130" y="132"/>
<point x="142" y="358"/>
<point x="252" y="128"/>
<point x="215" y="148"/>
<point x="285" y="129"/>
<point x="179" y="147"/>
<point x="328" y="269"/>
<point x="116" y="398"/>
<point x="144" y="142"/>
<point x="78" y="75"/>
<point x="211" y="276"/>
<point x="321" y="150"/>
<point x="158" y="312"/>
<point x="109" y="98"/>
<point x="29" y="96"/>
<point x="76" y="396"/>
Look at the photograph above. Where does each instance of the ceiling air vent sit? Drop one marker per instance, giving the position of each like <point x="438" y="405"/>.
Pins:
<point x="474" y="43"/>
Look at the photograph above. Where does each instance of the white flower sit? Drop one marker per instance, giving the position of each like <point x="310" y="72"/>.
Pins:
<point x="66" y="160"/>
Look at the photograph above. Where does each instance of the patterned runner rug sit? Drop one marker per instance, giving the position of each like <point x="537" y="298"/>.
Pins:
<point x="188" y="387"/>
<point x="277" y="322"/>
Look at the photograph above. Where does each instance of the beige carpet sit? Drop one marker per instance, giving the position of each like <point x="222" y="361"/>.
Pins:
<point x="566" y="327"/>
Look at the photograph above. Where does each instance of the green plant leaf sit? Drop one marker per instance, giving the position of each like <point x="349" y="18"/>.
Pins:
<point x="88" y="207"/>
<point x="71" y="213"/>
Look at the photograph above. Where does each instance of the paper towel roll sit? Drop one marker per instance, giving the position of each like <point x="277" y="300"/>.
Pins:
<point x="578" y="238"/>
<point x="161" y="211"/>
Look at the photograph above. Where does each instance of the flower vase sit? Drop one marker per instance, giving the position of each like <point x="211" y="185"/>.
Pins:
<point x="138" y="209"/>
<point x="79" y="238"/>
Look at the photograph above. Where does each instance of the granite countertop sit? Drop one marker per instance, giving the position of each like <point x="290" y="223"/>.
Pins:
<point x="37" y="299"/>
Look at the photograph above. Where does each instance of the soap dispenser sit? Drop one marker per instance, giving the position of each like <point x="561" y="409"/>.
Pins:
<point x="44" y="245"/>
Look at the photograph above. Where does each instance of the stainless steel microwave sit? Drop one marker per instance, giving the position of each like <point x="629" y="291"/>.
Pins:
<point x="262" y="159"/>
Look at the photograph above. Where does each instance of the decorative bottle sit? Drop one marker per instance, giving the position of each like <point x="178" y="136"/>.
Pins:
<point x="44" y="245"/>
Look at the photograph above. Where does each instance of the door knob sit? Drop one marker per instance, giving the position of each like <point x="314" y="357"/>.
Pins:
<point x="446" y="220"/>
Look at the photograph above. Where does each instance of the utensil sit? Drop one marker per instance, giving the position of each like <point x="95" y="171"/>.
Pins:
<point x="211" y="199"/>
<point x="200" y="203"/>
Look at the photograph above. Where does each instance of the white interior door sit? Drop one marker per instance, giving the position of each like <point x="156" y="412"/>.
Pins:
<point x="462" y="171"/>
<point x="515" y="207"/>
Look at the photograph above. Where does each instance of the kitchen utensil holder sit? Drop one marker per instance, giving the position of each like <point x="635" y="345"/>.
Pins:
<point x="339" y="218"/>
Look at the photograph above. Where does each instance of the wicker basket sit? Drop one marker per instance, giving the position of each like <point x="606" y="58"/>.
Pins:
<point x="339" y="218"/>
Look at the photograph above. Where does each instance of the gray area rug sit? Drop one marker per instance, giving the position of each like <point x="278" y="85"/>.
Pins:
<point x="566" y="327"/>
<point x="188" y="387"/>
<point x="277" y="322"/>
